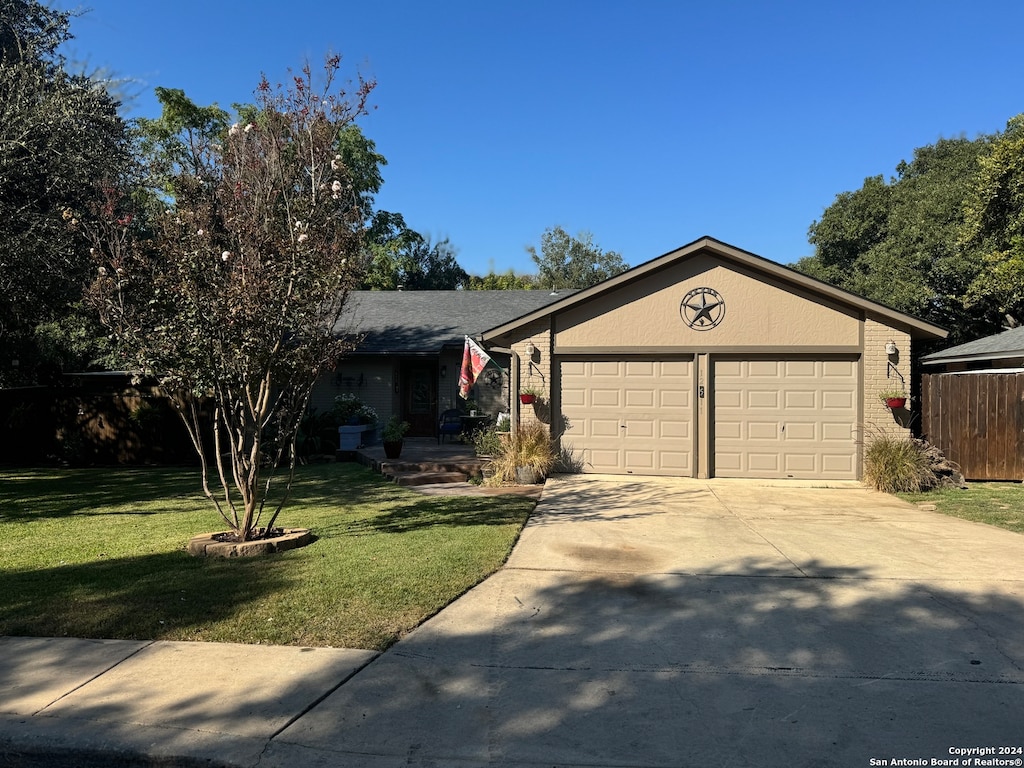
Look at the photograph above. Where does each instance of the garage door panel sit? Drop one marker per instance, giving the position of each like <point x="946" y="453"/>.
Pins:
<point x="785" y="418"/>
<point x="638" y="429"/>
<point x="763" y="462"/>
<point x="841" y="464"/>
<point x="838" y="401"/>
<point x="762" y="398"/>
<point x="637" y="416"/>
<point x="609" y="461"/>
<point x="679" y="368"/>
<point x="801" y="399"/>
<point x="728" y="368"/>
<point x="640" y="398"/>
<point x="605" y="398"/>
<point x="802" y="431"/>
<point x="640" y="461"/>
<point x="573" y="398"/>
<point x="602" y="427"/>
<point x="674" y="398"/>
<point x="669" y="428"/>
<point x="801" y="462"/>
<point x="675" y="463"/>
<point x="605" y="370"/>
<point x="794" y="369"/>
<point x="726" y="399"/>
<point x="763" y="430"/>
<point x="840" y="369"/>
<point x="727" y="463"/>
<point x="769" y="368"/>
<point x="638" y="368"/>
<point x="837" y="431"/>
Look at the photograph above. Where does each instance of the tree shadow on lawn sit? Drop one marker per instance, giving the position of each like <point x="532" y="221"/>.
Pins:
<point x="54" y="493"/>
<point x="389" y="508"/>
<point x="430" y="511"/>
<point x="153" y="597"/>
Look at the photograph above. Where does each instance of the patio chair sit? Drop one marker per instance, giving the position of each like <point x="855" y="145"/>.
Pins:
<point x="449" y="424"/>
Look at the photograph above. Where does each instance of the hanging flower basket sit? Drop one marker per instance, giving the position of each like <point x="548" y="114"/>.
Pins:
<point x="896" y="402"/>
<point x="527" y="399"/>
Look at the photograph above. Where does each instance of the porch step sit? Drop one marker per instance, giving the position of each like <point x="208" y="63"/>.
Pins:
<point x="426" y="478"/>
<point x="468" y="466"/>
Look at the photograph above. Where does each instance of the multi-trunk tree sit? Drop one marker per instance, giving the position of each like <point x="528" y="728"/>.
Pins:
<point x="227" y="281"/>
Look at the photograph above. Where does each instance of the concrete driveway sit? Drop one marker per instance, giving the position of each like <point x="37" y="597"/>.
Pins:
<point x="660" y="622"/>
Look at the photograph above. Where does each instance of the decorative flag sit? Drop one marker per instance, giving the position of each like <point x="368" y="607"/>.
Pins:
<point x="474" y="360"/>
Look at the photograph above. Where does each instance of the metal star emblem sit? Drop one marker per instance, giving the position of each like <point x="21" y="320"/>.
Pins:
<point x="702" y="309"/>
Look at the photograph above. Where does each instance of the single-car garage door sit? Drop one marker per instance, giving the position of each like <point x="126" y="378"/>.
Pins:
<point x="779" y="418"/>
<point x="627" y="416"/>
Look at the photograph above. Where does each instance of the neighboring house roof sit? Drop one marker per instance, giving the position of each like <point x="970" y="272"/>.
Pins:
<point x="424" y="322"/>
<point x="1008" y="344"/>
<point x="918" y="328"/>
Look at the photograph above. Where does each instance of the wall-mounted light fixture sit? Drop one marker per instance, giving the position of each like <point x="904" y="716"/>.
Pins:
<point x="531" y="350"/>
<point x="444" y="371"/>
<point x="890" y="348"/>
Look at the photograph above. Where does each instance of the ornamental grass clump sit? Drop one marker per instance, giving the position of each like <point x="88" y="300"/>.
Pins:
<point x="897" y="464"/>
<point x="528" y="447"/>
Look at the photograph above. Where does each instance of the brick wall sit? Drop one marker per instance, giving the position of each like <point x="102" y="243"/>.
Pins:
<point x="884" y="371"/>
<point x="535" y="372"/>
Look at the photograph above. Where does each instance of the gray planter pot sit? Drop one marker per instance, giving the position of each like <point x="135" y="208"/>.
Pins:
<point x="526" y="476"/>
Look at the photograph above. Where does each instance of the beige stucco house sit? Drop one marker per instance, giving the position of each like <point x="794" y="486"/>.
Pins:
<point x="710" y="361"/>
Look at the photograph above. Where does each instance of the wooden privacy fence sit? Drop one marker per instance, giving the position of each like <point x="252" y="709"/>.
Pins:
<point x="977" y="420"/>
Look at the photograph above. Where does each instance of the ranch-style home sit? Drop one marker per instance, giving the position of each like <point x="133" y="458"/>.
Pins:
<point x="708" y="361"/>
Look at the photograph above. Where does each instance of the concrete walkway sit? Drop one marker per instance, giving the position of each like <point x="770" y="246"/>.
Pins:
<point x="639" y="622"/>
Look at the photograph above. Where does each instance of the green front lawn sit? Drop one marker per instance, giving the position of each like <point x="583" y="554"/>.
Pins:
<point x="100" y="553"/>
<point x="999" y="504"/>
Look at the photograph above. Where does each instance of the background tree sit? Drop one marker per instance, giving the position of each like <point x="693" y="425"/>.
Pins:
<point x="901" y="242"/>
<point x="573" y="262"/>
<point x="232" y="289"/>
<point x="506" y="281"/>
<point x="398" y="257"/>
<point x="994" y="227"/>
<point x="59" y="135"/>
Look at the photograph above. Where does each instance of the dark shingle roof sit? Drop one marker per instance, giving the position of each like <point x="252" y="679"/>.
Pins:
<point x="422" y="322"/>
<point x="1000" y="345"/>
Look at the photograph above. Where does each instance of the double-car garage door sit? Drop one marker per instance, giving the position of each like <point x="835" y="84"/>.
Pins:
<point x="770" y="417"/>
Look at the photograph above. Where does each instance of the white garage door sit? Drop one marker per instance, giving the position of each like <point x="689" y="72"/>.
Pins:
<point x="629" y="415"/>
<point x="783" y="418"/>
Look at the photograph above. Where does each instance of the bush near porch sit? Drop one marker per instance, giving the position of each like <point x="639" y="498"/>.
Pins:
<point x="100" y="553"/>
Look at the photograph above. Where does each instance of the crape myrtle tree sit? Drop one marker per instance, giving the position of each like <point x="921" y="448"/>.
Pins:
<point x="229" y="288"/>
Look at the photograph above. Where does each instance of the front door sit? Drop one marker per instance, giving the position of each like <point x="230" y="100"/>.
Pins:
<point x="419" y="398"/>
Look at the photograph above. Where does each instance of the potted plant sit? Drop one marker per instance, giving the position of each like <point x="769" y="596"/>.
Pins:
<point x="893" y="398"/>
<point x="523" y="457"/>
<point x="527" y="395"/>
<point x="394" y="432"/>
<point x="356" y="422"/>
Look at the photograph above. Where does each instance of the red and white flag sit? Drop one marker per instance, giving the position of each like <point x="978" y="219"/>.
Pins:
<point x="474" y="360"/>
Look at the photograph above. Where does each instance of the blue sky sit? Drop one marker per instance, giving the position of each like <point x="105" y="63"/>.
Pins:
<point x="647" y="123"/>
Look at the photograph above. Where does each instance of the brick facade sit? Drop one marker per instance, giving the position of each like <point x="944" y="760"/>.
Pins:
<point x="884" y="371"/>
<point x="535" y="372"/>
